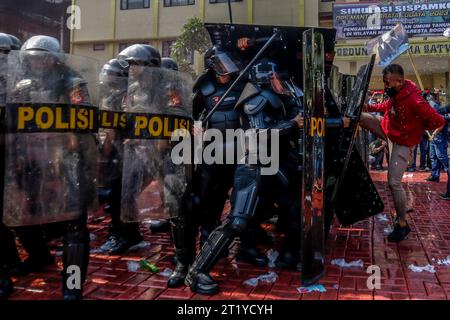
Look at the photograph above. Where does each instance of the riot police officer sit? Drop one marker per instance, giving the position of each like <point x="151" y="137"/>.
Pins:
<point x="32" y="238"/>
<point x="42" y="161"/>
<point x="214" y="181"/>
<point x="114" y="86"/>
<point x="126" y="235"/>
<point x="16" y="43"/>
<point x="162" y="225"/>
<point x="169" y="63"/>
<point x="264" y="109"/>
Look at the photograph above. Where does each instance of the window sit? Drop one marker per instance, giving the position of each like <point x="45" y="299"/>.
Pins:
<point x="99" y="47"/>
<point x="134" y="4"/>
<point x="175" y="3"/>
<point x="223" y="1"/>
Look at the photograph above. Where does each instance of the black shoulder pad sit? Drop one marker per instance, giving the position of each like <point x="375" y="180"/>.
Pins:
<point x="204" y="84"/>
<point x="274" y="100"/>
<point x="255" y="105"/>
<point x="208" y="89"/>
<point x="250" y="90"/>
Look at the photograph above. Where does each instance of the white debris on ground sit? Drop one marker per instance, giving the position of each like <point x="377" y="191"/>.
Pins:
<point x="427" y="268"/>
<point x="313" y="288"/>
<point x="382" y="218"/>
<point x="133" y="266"/>
<point x="271" y="277"/>
<point x="167" y="272"/>
<point x="272" y="256"/>
<point x="140" y="246"/>
<point x="343" y="264"/>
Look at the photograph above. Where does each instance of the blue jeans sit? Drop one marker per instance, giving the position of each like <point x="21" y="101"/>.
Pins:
<point x="376" y="159"/>
<point x="423" y="154"/>
<point x="438" y="155"/>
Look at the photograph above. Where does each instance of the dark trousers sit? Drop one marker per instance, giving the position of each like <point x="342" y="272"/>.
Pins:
<point x="423" y="146"/>
<point x="119" y="228"/>
<point x="439" y="157"/>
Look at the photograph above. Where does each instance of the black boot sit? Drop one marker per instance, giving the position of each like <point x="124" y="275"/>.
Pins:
<point x="75" y="259"/>
<point x="202" y="283"/>
<point x="178" y="276"/>
<point x="34" y="242"/>
<point x="247" y="250"/>
<point x="289" y="259"/>
<point x="158" y="226"/>
<point x="183" y="235"/>
<point x="252" y="255"/>
<point x="122" y="244"/>
<point x="198" y="278"/>
<point x="32" y="264"/>
<point x="129" y="237"/>
<point x="72" y="295"/>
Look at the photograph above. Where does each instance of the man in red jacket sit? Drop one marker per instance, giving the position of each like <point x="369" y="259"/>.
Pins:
<point x="406" y="116"/>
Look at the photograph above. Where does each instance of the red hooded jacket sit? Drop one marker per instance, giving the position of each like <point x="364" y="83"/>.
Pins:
<point x="407" y="116"/>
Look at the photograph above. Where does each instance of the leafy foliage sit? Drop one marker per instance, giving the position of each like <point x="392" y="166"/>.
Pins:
<point x="194" y="38"/>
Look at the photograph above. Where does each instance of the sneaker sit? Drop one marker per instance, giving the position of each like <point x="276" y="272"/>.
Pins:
<point x="399" y="233"/>
<point x="411" y="170"/>
<point x="445" y="196"/>
<point x="432" y="179"/>
<point x="422" y="169"/>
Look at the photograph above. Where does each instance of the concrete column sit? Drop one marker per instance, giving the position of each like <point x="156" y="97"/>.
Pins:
<point x="250" y="11"/>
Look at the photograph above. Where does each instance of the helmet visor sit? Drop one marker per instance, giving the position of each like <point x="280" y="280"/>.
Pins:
<point x="224" y="65"/>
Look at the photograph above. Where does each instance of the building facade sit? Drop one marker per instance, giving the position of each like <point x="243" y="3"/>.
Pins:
<point x="108" y="26"/>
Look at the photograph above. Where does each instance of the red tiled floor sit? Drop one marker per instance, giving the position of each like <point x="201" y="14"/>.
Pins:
<point x="109" y="278"/>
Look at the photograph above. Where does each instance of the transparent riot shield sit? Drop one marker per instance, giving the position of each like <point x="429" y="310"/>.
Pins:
<point x="313" y="244"/>
<point x="158" y="106"/>
<point x="112" y="121"/>
<point x="50" y="157"/>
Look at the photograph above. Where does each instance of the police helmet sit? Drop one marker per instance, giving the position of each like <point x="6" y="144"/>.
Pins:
<point x="219" y="61"/>
<point x="16" y="43"/>
<point x="42" y="43"/>
<point x="263" y="71"/>
<point x="140" y="54"/>
<point x="114" y="68"/>
<point x="169" y="63"/>
<point x="6" y="43"/>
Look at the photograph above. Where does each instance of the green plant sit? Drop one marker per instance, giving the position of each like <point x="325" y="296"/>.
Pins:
<point x="194" y="38"/>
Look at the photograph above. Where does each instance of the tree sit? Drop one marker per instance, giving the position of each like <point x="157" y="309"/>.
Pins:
<point x="194" y="38"/>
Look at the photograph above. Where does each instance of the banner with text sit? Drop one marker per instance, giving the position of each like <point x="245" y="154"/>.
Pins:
<point x="368" y="20"/>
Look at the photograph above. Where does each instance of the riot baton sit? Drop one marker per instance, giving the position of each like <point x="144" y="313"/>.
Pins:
<point x="241" y="75"/>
